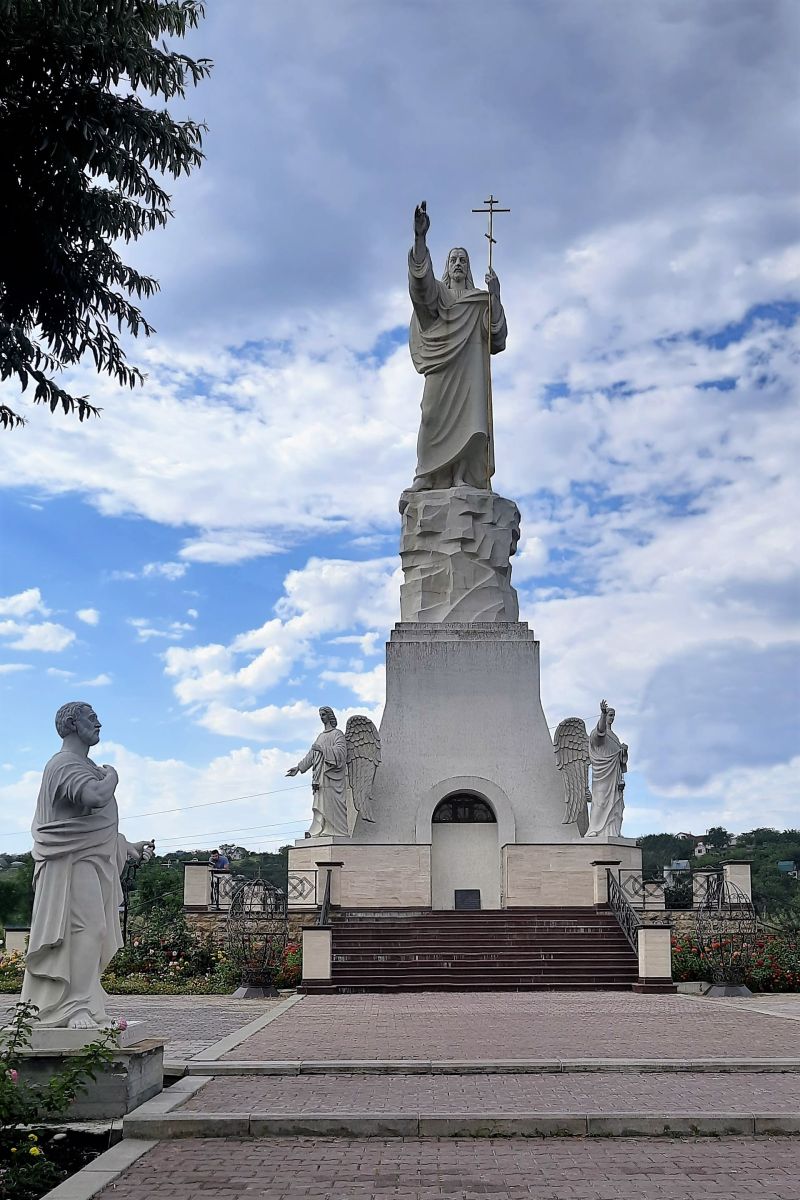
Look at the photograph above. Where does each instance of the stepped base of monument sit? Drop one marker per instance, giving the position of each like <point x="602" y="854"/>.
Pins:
<point x="524" y="949"/>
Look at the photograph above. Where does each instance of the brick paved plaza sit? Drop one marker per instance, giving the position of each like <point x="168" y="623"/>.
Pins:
<point x="528" y="1025"/>
<point x="466" y="1030"/>
<point x="189" y="1024"/>
<point x="468" y="1169"/>
<point x="595" y="1092"/>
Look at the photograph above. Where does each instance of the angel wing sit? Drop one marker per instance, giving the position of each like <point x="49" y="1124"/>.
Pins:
<point x="363" y="756"/>
<point x="571" y="745"/>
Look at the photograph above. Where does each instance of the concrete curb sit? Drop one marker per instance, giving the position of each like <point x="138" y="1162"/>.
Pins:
<point x="399" y="1066"/>
<point x="226" y="1044"/>
<point x="104" y="1170"/>
<point x="367" y="1125"/>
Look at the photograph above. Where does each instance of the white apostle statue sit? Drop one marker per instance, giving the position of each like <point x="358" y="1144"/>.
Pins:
<point x="449" y="342"/>
<point x="78" y="854"/>
<point x="327" y="759"/>
<point x="609" y="759"/>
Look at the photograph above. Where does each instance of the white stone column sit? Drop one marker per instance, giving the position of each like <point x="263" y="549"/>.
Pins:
<point x="196" y="885"/>
<point x="17" y="938"/>
<point x="655" y="959"/>
<point x="334" y="869"/>
<point x="317" y="954"/>
<point x="737" y="872"/>
<point x="601" y="866"/>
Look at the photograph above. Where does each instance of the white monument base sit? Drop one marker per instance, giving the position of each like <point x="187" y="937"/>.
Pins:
<point x="414" y="876"/>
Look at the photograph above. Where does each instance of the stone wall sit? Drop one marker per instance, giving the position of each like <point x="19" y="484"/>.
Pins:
<point x="682" y="920"/>
<point x="214" y="923"/>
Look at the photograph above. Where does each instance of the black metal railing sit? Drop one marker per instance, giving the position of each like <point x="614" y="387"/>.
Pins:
<point x="627" y="917"/>
<point x="223" y="885"/>
<point x="324" y="910"/>
<point x="692" y="889"/>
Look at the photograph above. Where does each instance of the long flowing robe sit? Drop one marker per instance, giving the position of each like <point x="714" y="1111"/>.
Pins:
<point x="449" y="342"/>
<point x="327" y="759"/>
<point x="609" y="759"/>
<point x="78" y="855"/>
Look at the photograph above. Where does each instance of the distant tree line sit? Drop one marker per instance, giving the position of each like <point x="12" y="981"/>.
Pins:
<point x="773" y="891"/>
<point x="160" y="882"/>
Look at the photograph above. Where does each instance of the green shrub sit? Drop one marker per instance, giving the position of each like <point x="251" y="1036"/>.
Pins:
<point x="29" y="1165"/>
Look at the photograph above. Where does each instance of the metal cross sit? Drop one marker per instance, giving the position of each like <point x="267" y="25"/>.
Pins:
<point x="491" y="210"/>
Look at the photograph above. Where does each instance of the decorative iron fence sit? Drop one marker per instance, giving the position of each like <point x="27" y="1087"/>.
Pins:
<point x="223" y="886"/>
<point x="641" y="893"/>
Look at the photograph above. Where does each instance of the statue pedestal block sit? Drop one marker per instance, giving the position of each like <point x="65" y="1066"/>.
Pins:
<point x="135" y="1075"/>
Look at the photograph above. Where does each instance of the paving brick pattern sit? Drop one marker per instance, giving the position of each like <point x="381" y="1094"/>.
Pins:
<point x="508" y="1025"/>
<point x="478" y="1094"/>
<point x="188" y="1023"/>
<point x="468" y="1169"/>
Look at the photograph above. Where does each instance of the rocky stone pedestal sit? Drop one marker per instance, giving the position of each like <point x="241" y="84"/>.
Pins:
<point x="456" y="547"/>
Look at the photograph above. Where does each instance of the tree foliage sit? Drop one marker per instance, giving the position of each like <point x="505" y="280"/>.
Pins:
<point x="81" y="170"/>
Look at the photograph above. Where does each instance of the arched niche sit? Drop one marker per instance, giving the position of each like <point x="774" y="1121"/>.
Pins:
<point x="473" y="785"/>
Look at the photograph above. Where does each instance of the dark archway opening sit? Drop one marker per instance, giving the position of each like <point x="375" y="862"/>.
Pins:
<point x="463" y="808"/>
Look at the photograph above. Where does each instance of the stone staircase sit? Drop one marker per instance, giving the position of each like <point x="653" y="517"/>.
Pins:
<point x="520" y="949"/>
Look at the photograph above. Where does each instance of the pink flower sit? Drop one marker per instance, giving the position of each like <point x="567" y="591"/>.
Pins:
<point x="122" y="1024"/>
<point x="13" y="1076"/>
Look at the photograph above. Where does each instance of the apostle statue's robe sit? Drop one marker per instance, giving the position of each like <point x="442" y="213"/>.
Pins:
<point x="449" y="343"/>
<point x="609" y="760"/>
<point x="78" y="854"/>
<point x="327" y="759"/>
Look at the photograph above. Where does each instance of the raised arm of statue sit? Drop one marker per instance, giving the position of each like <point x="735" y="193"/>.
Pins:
<point x="422" y="224"/>
<point x="422" y="286"/>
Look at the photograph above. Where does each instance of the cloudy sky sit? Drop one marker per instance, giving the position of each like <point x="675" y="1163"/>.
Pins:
<point x="217" y="555"/>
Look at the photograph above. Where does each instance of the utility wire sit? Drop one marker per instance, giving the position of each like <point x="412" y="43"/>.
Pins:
<point x="157" y="812"/>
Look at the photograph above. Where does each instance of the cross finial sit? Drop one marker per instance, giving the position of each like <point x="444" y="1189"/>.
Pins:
<point x="491" y="209"/>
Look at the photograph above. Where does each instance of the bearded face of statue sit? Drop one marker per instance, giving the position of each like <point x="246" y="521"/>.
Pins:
<point x="457" y="271"/>
<point x="87" y="726"/>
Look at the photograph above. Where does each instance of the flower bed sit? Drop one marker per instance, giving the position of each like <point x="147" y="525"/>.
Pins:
<point x="168" y="960"/>
<point x="773" y="963"/>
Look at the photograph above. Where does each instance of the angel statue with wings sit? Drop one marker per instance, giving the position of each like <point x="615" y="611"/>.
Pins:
<point x="340" y="762"/>
<point x="575" y="752"/>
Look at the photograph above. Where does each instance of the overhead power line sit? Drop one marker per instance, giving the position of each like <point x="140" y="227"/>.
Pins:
<point x="158" y="812"/>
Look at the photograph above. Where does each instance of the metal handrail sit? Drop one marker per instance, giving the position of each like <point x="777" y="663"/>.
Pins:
<point x="627" y="917"/>
<point x="322" y="919"/>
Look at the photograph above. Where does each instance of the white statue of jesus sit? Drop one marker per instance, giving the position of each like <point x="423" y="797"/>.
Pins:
<point x="78" y="853"/>
<point x="449" y="342"/>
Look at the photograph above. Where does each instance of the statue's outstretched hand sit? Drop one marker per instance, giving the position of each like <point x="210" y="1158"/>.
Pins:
<point x="604" y="707"/>
<point x="493" y="284"/>
<point x="292" y="772"/>
<point x="422" y="221"/>
<point x="141" y="851"/>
